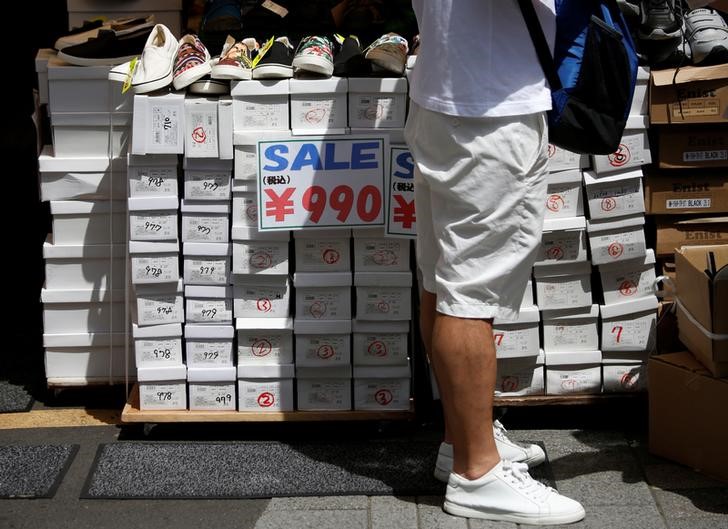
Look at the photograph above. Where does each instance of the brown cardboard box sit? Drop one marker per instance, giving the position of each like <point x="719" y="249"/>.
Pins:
<point x="703" y="305"/>
<point x="687" y="413"/>
<point x="674" y="231"/>
<point x="696" y="94"/>
<point x="680" y="191"/>
<point x="692" y="146"/>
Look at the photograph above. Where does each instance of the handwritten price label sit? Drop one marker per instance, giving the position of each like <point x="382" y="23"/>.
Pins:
<point x="401" y="218"/>
<point x="321" y="182"/>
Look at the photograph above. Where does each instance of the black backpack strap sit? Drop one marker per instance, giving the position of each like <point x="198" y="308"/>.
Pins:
<point x="540" y="44"/>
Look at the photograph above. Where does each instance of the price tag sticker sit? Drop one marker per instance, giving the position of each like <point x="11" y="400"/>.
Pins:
<point x="401" y="219"/>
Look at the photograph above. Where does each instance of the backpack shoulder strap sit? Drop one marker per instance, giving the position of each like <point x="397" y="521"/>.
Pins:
<point x="540" y="44"/>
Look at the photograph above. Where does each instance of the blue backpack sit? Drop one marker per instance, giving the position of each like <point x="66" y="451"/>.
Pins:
<point x="592" y="73"/>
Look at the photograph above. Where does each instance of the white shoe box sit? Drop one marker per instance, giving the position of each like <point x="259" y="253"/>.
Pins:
<point x="520" y="376"/>
<point x="206" y="263"/>
<point x="629" y="326"/>
<point x="569" y="330"/>
<point x="624" y="372"/>
<point x="41" y="68"/>
<point x="153" y="218"/>
<point x="373" y="252"/>
<point x="245" y="148"/>
<point x="167" y="12"/>
<point x="395" y="135"/>
<point x="528" y="298"/>
<point x="152" y="175"/>
<point x="225" y="127"/>
<point x="385" y="388"/>
<point x="563" y="286"/>
<point x="212" y="388"/>
<point x="633" y="150"/>
<point x="377" y="102"/>
<point x="79" y="358"/>
<point x="519" y="337"/>
<point x="91" y="133"/>
<point x="562" y="160"/>
<point x="162" y="388"/>
<point x="318" y="106"/>
<point x="322" y="250"/>
<point x="245" y="206"/>
<point x="201" y="127"/>
<point x="159" y="123"/>
<point x="264" y="388"/>
<point x="209" y="345"/>
<point x="322" y="343"/>
<point x="261" y="296"/>
<point x="614" y="194"/>
<point x="380" y="343"/>
<point x="205" y="220"/>
<point x="573" y="373"/>
<point x="80" y="178"/>
<point x="207" y="179"/>
<point x="323" y="388"/>
<point x="260" y="256"/>
<point x="614" y="240"/>
<point x="154" y="262"/>
<point x="211" y="304"/>
<point x="639" y="97"/>
<point x="85" y="222"/>
<point x="264" y="341"/>
<point x="83" y="311"/>
<point x="631" y="279"/>
<point x="323" y="296"/>
<point x="84" y="89"/>
<point x="260" y="104"/>
<point x="84" y="267"/>
<point x="564" y="197"/>
<point x="159" y="303"/>
<point x="157" y="345"/>
<point x="383" y="296"/>
<point x="563" y="241"/>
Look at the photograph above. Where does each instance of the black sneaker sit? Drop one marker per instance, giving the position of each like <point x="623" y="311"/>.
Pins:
<point x="107" y="49"/>
<point x="220" y="19"/>
<point x="661" y="19"/>
<point x="349" y="59"/>
<point x="274" y="60"/>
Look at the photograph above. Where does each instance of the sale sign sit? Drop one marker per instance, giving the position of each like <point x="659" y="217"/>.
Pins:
<point x="401" y="194"/>
<point x="321" y="182"/>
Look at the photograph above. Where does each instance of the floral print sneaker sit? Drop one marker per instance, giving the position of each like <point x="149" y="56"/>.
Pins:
<point x="314" y="55"/>
<point x="236" y="59"/>
<point x="388" y="52"/>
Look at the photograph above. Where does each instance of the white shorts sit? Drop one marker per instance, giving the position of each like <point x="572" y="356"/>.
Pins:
<point x="480" y="195"/>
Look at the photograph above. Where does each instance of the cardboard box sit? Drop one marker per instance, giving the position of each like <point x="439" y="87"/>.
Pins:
<point x="322" y="343"/>
<point x="619" y="239"/>
<point x="91" y="133"/>
<point x="563" y="160"/>
<point x="322" y="250"/>
<point x="245" y="150"/>
<point x="563" y="241"/>
<point x="563" y="286"/>
<point x="318" y="106"/>
<point x="212" y="388"/>
<point x="380" y="343"/>
<point x="201" y="127"/>
<point x="573" y="373"/>
<point x="677" y="231"/>
<point x="41" y="68"/>
<point x="206" y="263"/>
<point x="261" y="296"/>
<point x="702" y="315"/>
<point x="629" y="326"/>
<point x="568" y="330"/>
<point x="640" y="101"/>
<point x="153" y="218"/>
<point x="209" y="304"/>
<point x="693" y="146"/>
<point x="373" y="252"/>
<point x="260" y="104"/>
<point x="631" y="279"/>
<point x="614" y="194"/>
<point x="323" y="296"/>
<point x="205" y="220"/>
<point x="156" y="345"/>
<point x="564" y="194"/>
<point x="633" y="150"/>
<point x="682" y="191"/>
<point x="518" y="337"/>
<point x="260" y="257"/>
<point x="207" y="183"/>
<point x="159" y="124"/>
<point x="377" y="102"/>
<point x="88" y="221"/>
<point x="383" y="296"/>
<point x="679" y="386"/>
<point x="520" y="376"/>
<point x="83" y="311"/>
<point x="82" y="358"/>
<point x="152" y="175"/>
<point x="159" y="303"/>
<point x="323" y="388"/>
<point x="154" y="262"/>
<point x="624" y="372"/>
<point x="162" y="388"/>
<point x="84" y="267"/>
<point x="264" y="341"/>
<point x="382" y="388"/>
<point x="225" y="127"/>
<point x="209" y="345"/>
<point x="693" y="94"/>
<point x="84" y="89"/>
<point x="265" y="388"/>
<point x="245" y="207"/>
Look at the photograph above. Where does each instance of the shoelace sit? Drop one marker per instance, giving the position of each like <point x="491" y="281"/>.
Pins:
<point x="518" y="474"/>
<point x="500" y="431"/>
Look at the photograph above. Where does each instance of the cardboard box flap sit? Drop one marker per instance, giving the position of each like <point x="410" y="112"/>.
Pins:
<point x="689" y="74"/>
<point x="266" y="371"/>
<point x="379" y="327"/>
<point x="203" y="331"/>
<point x="570" y="176"/>
<point x="153" y="246"/>
<point x="383" y="279"/>
<point x="695" y="288"/>
<point x="615" y="310"/>
<point x="573" y="358"/>
<point x="321" y="327"/>
<point x="273" y="324"/>
<point x="209" y="291"/>
<point x="591" y="178"/>
<point x="87" y="207"/>
<point x="165" y="330"/>
<point x="207" y="248"/>
<point x="321" y="279"/>
<point x="571" y="314"/>
<point x="211" y="374"/>
<point x="324" y="372"/>
<point x="161" y="373"/>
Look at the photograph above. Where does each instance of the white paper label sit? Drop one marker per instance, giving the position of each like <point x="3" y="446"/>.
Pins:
<point x="212" y="396"/>
<point x="245" y="210"/>
<point x="157" y="269"/>
<point x="519" y="339"/>
<point x="705" y="156"/>
<point x="618" y="246"/>
<point x="246" y="162"/>
<point x="564" y="294"/>
<point x="386" y="347"/>
<point x="322" y="303"/>
<point x="382" y="394"/>
<point x="153" y="226"/>
<point x="575" y="337"/>
<point x="375" y="109"/>
<point x="317" y="114"/>
<point x="208" y="271"/>
<point x="209" y="310"/>
<point x="145" y="181"/>
<point x="252" y="257"/>
<point x="165" y="125"/>
<point x="159" y="351"/>
<point x="562" y="200"/>
<point x="265" y="347"/>
<point x="628" y="334"/>
<point x="163" y="396"/>
<point x="202" y="185"/>
<point x="325" y="393"/>
<point x="564" y="246"/>
<point x="201" y="228"/>
<point x="390" y="303"/>
<point x="634" y="284"/>
<point x="383" y="254"/>
<point x="688" y="203"/>
<point x="252" y="301"/>
<point x="209" y="353"/>
<point x="328" y="254"/>
<point x="162" y="309"/>
<point x="322" y="349"/>
<point x="264" y="115"/>
<point x="202" y="133"/>
<point x="260" y="396"/>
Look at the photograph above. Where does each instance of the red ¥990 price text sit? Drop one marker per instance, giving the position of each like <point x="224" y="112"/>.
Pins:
<point x="344" y="203"/>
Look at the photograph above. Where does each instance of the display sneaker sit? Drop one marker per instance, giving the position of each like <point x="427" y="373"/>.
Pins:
<point x="660" y="19"/>
<point x="79" y="35"/>
<point x="314" y="55"/>
<point x="236" y="59"/>
<point x="349" y="58"/>
<point x="209" y="86"/>
<point x="388" y="53"/>
<point x="274" y="60"/>
<point x="630" y="9"/>
<point x="220" y="19"/>
<point x="668" y="53"/>
<point x="107" y="48"/>
<point x="192" y="62"/>
<point x="155" y="68"/>
<point x="508" y="493"/>
<point x="529" y="454"/>
<point x="120" y="26"/>
<point x="707" y="34"/>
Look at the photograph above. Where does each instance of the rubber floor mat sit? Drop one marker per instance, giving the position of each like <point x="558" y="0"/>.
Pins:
<point x="14" y="398"/>
<point x="33" y="471"/>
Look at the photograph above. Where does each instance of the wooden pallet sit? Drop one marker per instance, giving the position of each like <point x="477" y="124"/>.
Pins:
<point x="567" y="400"/>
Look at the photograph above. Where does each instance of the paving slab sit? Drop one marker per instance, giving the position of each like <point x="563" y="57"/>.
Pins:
<point x="670" y="476"/>
<point x="314" y="519"/>
<point x="615" y="517"/>
<point x="694" y="503"/>
<point x="431" y="515"/>
<point x="393" y="512"/>
<point x="337" y="503"/>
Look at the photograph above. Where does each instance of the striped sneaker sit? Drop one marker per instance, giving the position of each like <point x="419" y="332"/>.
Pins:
<point x="192" y="62"/>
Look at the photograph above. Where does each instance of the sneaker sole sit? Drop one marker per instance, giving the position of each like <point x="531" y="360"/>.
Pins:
<point x="385" y="61"/>
<point x="84" y="61"/>
<point x="717" y="55"/>
<point x="191" y="75"/>
<point x="459" y="510"/>
<point x="273" y="71"/>
<point x="152" y="85"/>
<point x="209" y="86"/>
<point x="314" y="64"/>
<point x="231" y="72"/>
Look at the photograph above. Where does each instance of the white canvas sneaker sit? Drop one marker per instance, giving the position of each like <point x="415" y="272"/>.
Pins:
<point x="508" y="493"/>
<point x="531" y="454"/>
<point x="156" y="65"/>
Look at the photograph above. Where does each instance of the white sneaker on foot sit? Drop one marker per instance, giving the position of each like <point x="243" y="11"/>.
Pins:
<point x="531" y="454"/>
<point x="508" y="493"/>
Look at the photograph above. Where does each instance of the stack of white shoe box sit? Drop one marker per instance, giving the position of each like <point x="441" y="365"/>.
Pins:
<point x="82" y="175"/>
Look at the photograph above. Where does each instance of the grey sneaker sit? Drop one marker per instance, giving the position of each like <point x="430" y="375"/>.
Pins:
<point x="707" y="34"/>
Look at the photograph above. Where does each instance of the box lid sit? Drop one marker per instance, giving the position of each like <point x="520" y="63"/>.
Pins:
<point x="48" y="162"/>
<point x="81" y="296"/>
<point x="625" y="357"/>
<point x="252" y="137"/>
<point x="260" y="280"/>
<point x="158" y="289"/>
<point x="647" y="259"/>
<point x="319" y="86"/>
<point x="591" y="178"/>
<point x="321" y="326"/>
<point x="152" y="203"/>
<point x="573" y="358"/>
<point x="153" y="246"/>
<point x="211" y="374"/>
<point x="571" y="314"/>
<point x="89" y="119"/>
<point x="374" y="232"/>
<point x="204" y="206"/>
<point x="161" y="373"/>
<point x="86" y="207"/>
<point x="525" y="315"/>
<point x="686" y="361"/>
<point x="193" y="330"/>
<point x="537" y="360"/>
<point x="324" y="372"/>
<point x="643" y="73"/>
<point x="209" y="291"/>
<point x="322" y="279"/>
<point x="614" y="310"/>
<point x="59" y="70"/>
<point x="699" y="293"/>
<point x="562" y="269"/>
<point x="207" y="248"/>
<point x="246" y="233"/>
<point x="382" y="372"/>
<point x="637" y="122"/>
<point x="266" y="371"/>
<point x="154" y="160"/>
<point x="166" y="330"/>
<point x="688" y="74"/>
<point x="269" y="324"/>
<point x="376" y="85"/>
<point x="42" y="57"/>
<point x="383" y="279"/>
<point x="207" y="164"/>
<point x="564" y="224"/>
<point x="630" y="221"/>
<point x="322" y="234"/>
<point x="569" y="176"/>
<point x="380" y="327"/>
<point x="241" y="188"/>
<point x="82" y="251"/>
<point x="92" y="339"/>
<point x="267" y="87"/>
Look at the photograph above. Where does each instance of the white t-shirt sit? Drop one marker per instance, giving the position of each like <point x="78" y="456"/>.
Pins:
<point x="477" y="59"/>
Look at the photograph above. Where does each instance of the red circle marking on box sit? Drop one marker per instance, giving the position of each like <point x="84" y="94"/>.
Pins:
<point x="555" y="203"/>
<point x="266" y="399"/>
<point x="383" y="397"/>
